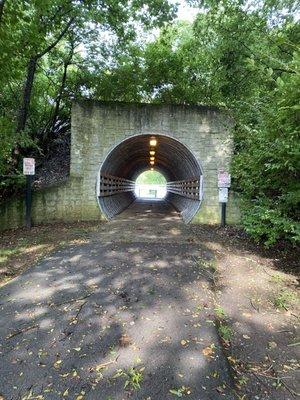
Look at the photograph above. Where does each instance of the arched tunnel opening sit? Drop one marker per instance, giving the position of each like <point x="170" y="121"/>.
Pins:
<point x="170" y="157"/>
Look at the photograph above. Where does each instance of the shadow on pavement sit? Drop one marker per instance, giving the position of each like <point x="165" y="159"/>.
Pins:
<point x="132" y="296"/>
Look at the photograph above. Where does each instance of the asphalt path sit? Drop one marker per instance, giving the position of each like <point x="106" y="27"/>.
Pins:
<point x="126" y="314"/>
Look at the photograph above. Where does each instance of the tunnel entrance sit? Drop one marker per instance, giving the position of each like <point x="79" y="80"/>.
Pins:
<point x="127" y="160"/>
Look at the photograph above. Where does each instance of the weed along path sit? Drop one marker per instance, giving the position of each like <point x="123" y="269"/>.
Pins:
<point x="126" y="314"/>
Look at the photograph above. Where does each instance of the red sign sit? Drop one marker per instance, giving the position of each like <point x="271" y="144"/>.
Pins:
<point x="28" y="166"/>
<point x="224" y="179"/>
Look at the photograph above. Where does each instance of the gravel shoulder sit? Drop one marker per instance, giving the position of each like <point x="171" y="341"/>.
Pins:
<point x="257" y="296"/>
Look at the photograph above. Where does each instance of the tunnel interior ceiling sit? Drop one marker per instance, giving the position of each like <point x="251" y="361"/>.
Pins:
<point x="131" y="157"/>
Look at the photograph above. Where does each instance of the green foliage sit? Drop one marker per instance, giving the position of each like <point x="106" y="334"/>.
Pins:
<point x="267" y="163"/>
<point x="134" y="379"/>
<point x="223" y="328"/>
<point x="284" y="299"/>
<point x="225" y="332"/>
<point x="264" y="220"/>
<point x="133" y="376"/>
<point x="220" y="313"/>
<point x="59" y="37"/>
<point x="180" y="392"/>
<point x="151" y="178"/>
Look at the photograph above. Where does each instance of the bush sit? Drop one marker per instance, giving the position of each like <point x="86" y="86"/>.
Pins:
<point x="264" y="221"/>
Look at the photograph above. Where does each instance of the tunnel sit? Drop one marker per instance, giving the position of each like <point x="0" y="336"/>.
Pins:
<point x="127" y="160"/>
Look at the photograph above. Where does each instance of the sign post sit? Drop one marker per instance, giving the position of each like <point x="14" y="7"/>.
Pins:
<point x="29" y="171"/>
<point x="224" y="182"/>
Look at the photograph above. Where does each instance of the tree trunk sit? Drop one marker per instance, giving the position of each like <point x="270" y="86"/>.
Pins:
<point x="31" y="68"/>
<point x="59" y="96"/>
<point x="27" y="89"/>
<point x="2" y="2"/>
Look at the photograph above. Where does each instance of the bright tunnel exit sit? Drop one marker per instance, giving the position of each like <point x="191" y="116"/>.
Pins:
<point x="150" y="184"/>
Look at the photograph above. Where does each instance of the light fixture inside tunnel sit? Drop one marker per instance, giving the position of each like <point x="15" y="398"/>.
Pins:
<point x="153" y="141"/>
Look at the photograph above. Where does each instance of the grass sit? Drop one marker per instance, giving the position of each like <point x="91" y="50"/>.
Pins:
<point x="5" y="254"/>
<point x="207" y="264"/>
<point x="225" y="332"/>
<point x="112" y="350"/>
<point x="180" y="392"/>
<point x="220" y="313"/>
<point x="277" y="278"/>
<point x="15" y="247"/>
<point x="284" y="299"/>
<point x="242" y="381"/>
<point x="133" y="377"/>
<point x="21" y="248"/>
<point x="208" y="269"/>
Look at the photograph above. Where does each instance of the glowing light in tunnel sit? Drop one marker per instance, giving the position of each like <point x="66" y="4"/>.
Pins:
<point x="152" y="158"/>
<point x="153" y="142"/>
<point x="151" y="162"/>
<point x="152" y="153"/>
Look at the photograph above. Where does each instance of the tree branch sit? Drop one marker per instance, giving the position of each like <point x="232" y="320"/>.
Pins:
<point x="57" y="40"/>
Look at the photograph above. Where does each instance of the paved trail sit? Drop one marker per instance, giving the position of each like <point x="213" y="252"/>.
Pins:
<point x="131" y="296"/>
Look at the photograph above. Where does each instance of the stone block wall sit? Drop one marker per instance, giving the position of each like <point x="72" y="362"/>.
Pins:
<point x="57" y="203"/>
<point x="97" y="127"/>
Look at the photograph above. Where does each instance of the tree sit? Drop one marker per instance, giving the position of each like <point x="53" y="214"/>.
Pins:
<point x="30" y="33"/>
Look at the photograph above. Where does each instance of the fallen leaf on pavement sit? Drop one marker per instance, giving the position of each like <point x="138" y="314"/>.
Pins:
<point x="208" y="351"/>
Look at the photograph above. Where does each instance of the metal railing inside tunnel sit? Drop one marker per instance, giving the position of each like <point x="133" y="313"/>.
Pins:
<point x="111" y="185"/>
<point x="189" y="188"/>
<point x="116" y="194"/>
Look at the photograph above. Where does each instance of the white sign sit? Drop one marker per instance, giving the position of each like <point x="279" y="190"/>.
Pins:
<point x="224" y="179"/>
<point x="223" y="195"/>
<point x="28" y="166"/>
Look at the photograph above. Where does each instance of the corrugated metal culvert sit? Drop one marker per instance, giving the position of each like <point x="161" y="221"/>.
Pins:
<point x="132" y="156"/>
